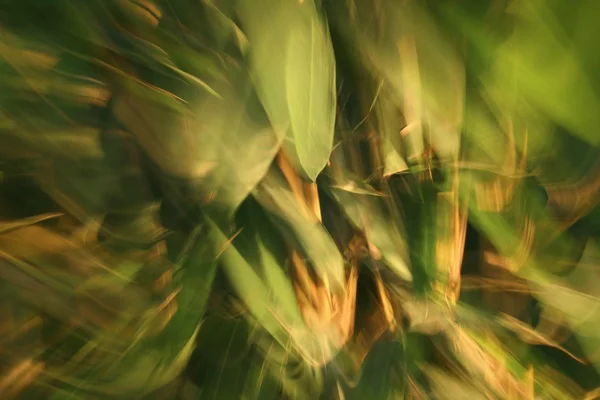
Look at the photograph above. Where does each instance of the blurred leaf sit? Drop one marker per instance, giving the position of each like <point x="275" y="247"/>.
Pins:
<point x="293" y="68"/>
<point x="402" y="44"/>
<point x="279" y="283"/>
<point x="275" y="196"/>
<point x="248" y="286"/>
<point x="366" y="213"/>
<point x="391" y="124"/>
<point x="141" y="11"/>
<point x="530" y="335"/>
<point x="380" y="378"/>
<point x="486" y="361"/>
<point x="7" y="225"/>
<point x="576" y="296"/>
<point x="447" y="386"/>
<point x="280" y="319"/>
<point x="452" y="229"/>
<point x="223" y="146"/>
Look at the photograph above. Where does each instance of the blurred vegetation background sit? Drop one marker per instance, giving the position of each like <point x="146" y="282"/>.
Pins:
<point x="299" y="199"/>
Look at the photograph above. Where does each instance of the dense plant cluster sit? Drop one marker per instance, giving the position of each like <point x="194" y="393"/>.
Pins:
<point x="299" y="199"/>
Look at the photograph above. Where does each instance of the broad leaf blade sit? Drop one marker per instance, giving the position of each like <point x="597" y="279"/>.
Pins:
<point x="293" y="67"/>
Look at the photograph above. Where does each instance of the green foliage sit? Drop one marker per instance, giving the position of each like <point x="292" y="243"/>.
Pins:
<point x="293" y="67"/>
<point x="299" y="199"/>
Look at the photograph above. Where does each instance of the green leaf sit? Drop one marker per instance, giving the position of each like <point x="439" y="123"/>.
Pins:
<point x="577" y="297"/>
<point x="248" y="285"/>
<point x="378" y="381"/>
<point x="400" y="43"/>
<point x="545" y="71"/>
<point x="151" y="363"/>
<point x="223" y="146"/>
<point x="281" y="321"/>
<point x="276" y="197"/>
<point x="446" y="386"/>
<point x="278" y="283"/>
<point x="293" y="67"/>
<point x="390" y="124"/>
<point x="366" y="213"/>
